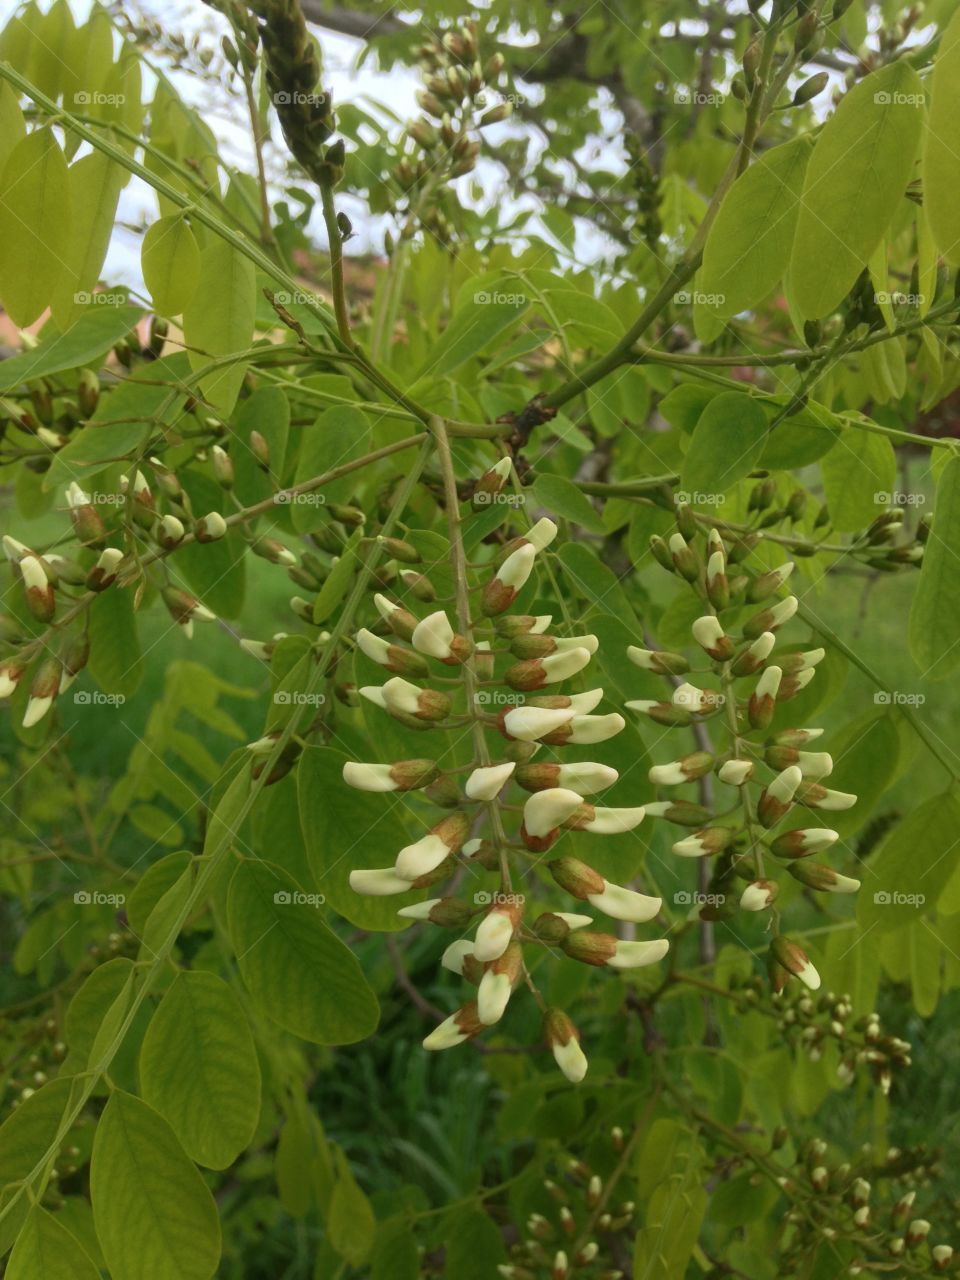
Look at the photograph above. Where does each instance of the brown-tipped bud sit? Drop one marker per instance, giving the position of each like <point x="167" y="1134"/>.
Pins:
<point x="718" y="585"/>
<point x="74" y="657"/>
<point x="822" y="879"/>
<point x="402" y="775"/>
<point x="444" y="792"/>
<point x="564" y="1041"/>
<point x="88" y="392"/>
<point x="184" y="608"/>
<point x="661" y="553"/>
<point x="501" y="591"/>
<point x="521" y="624"/>
<point x="39" y="590"/>
<point x="86" y="520"/>
<point x="767" y="584"/>
<point x="763" y="700"/>
<point x="538" y="672"/>
<point x="684" y="558"/>
<point x="791" y="685"/>
<point x="222" y="466"/>
<point x="704" y="843"/>
<point x="801" y="843"/>
<point x="400" y="621"/>
<point x="460" y="1026"/>
<point x="795" y="961"/>
<point x="750" y="660"/>
<point x="758" y="895"/>
<point x="104" y="572"/>
<point x="352" y="517"/>
<point x="393" y="657"/>
<point x="770" y="619"/>
<point x="11" y="673"/>
<point x="210" y="528"/>
<point x="666" y="713"/>
<point x="794" y="737"/>
<point x="143" y="506"/>
<point x="169" y="532"/>
<point x="815" y="796"/>
<point x="260" y="450"/>
<point x="576" y="877"/>
<point x="682" y="812"/>
<point x="418" y="585"/>
<point x="659" y="661"/>
<point x="741" y="547"/>
<point x="449" y="913"/>
<point x="810" y="89"/>
<point x="709" y="635"/>
<point x="274" y="551"/>
<point x="43" y="690"/>
<point x="398" y="549"/>
<point x="687" y="769"/>
<point x="491" y="483"/>
<point x="777" y="798"/>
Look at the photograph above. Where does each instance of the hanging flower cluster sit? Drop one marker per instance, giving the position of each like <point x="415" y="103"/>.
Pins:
<point x="535" y="716"/>
<point x="770" y="773"/>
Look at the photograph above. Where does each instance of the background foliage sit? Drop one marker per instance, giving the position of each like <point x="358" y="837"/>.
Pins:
<point x="687" y="267"/>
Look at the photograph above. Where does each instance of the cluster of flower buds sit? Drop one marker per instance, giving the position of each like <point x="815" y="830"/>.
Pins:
<point x="580" y="1222"/>
<point x="741" y="684"/>
<point x="835" y="1199"/>
<point x="811" y="1023"/>
<point x="556" y="796"/>
<point x="456" y="101"/>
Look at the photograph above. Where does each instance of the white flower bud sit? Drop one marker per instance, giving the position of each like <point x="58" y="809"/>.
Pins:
<point x="457" y="952"/>
<point x="378" y="883"/>
<point x="75" y="496"/>
<point x="612" y="822"/>
<point x="586" y="777"/>
<point x="421" y="857"/>
<point x="545" y="810"/>
<point x="452" y="1031"/>
<point x="564" y="664"/>
<point x="588" y="642"/>
<point x="735" y="772"/>
<point x="419" y="910"/>
<point x="573" y="920"/>
<point x="625" y="904"/>
<point x="434" y="635"/>
<point x="815" y="764"/>
<point x="528" y="724"/>
<point x="756" y="896"/>
<point x="667" y="775"/>
<point x="542" y="534"/>
<point x="493" y="994"/>
<point x="34" y="574"/>
<point x="588" y="730"/>
<point x="584" y="703"/>
<point x="517" y="567"/>
<point x="494" y="933"/>
<point x="37" y="708"/>
<point x="375" y="647"/>
<point x="690" y="698"/>
<point x="486" y="783"/>
<point x="784" y="785"/>
<point x="369" y="777"/>
<point x="631" y="955"/>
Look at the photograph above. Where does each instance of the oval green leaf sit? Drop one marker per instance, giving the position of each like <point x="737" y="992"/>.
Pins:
<point x="726" y="444"/>
<point x="941" y="158"/>
<point x="170" y="259"/>
<point x="935" y="613"/>
<point x="34" y="225"/>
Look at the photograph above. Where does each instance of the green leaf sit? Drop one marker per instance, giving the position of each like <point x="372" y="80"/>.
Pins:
<point x="339" y="435"/>
<point x="297" y="971"/>
<point x="350" y="1219"/>
<point x="906" y="876"/>
<point x="940" y="165"/>
<point x="170" y="260"/>
<point x="856" y="177"/>
<point x="338" y="840"/>
<point x="89" y="338"/>
<point x="34" y="225"/>
<point x="199" y="1069"/>
<point x="338" y="581"/>
<point x="595" y="581"/>
<point x="95" y="182"/>
<point x="266" y="411"/>
<point x="45" y="1250"/>
<point x="563" y="498"/>
<point x="89" y="1007"/>
<point x="474" y="1245"/>
<point x="12" y="127"/>
<point x="155" y="1216"/>
<point x="215" y="571"/>
<point x="158" y="878"/>
<point x="935" y="612"/>
<point x="219" y="319"/>
<point x="749" y="244"/>
<point x="25" y="1137"/>
<point x="116" y="662"/>
<point x="860" y="467"/>
<point x="726" y="445"/>
<point x="489" y="307"/>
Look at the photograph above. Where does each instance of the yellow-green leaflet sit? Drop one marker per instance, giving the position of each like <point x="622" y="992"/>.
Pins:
<point x="856" y="177"/>
<point x="94" y="183"/>
<point x="749" y="244"/>
<point x="941" y="153"/>
<point x="45" y="1250"/>
<point x="170" y="260"/>
<point x="34" y="225"/>
<point x="219" y="319"/>
<point x="155" y="1215"/>
<point x="12" y="128"/>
